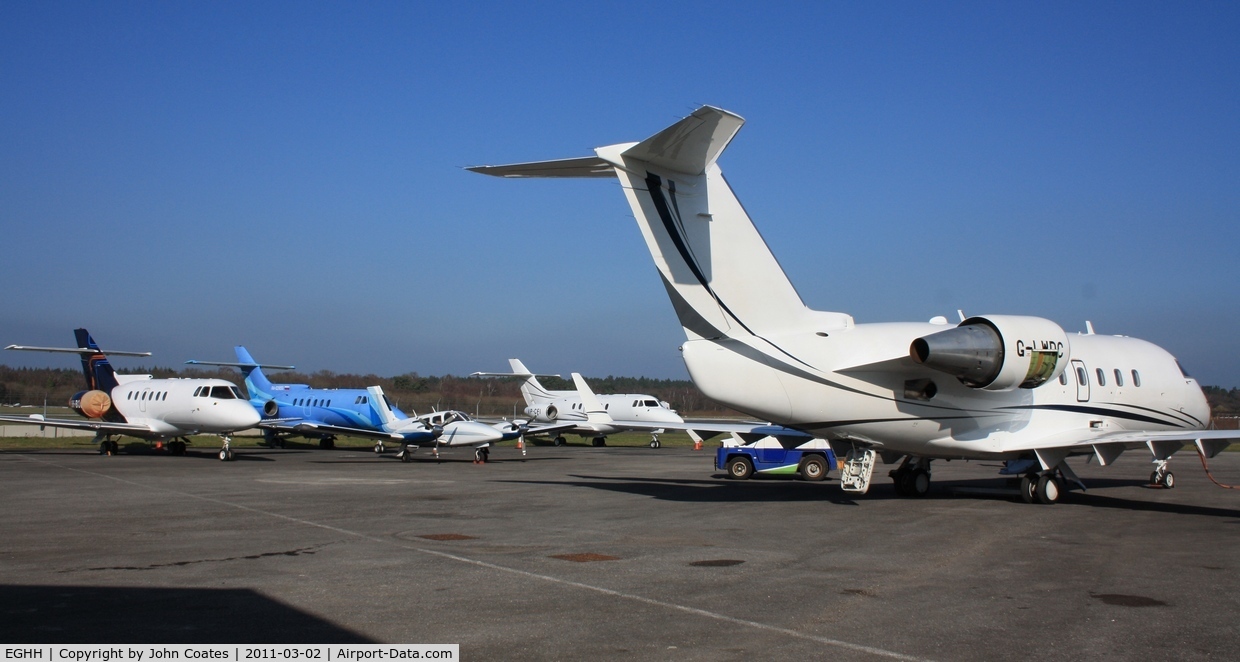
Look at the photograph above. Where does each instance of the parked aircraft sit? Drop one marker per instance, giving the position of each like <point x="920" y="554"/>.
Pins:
<point x="158" y="410"/>
<point x="324" y="414"/>
<point x="562" y="411"/>
<point x="1001" y="387"/>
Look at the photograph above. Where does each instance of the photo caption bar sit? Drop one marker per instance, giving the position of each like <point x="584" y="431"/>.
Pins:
<point x="229" y="653"/>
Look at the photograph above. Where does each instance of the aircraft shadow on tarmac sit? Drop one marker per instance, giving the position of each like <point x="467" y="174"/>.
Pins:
<point x="720" y="490"/>
<point x="107" y="615"/>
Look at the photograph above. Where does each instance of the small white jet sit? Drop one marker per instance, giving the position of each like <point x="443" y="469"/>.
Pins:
<point x="157" y="410"/>
<point x="999" y="387"/>
<point x="563" y="411"/>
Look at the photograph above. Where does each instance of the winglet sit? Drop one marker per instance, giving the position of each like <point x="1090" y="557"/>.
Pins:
<point x="595" y="413"/>
<point x="378" y="402"/>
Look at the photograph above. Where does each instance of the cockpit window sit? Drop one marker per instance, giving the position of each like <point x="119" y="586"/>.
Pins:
<point x="1182" y="370"/>
<point x="651" y="403"/>
<point x="222" y="393"/>
<point x="237" y="392"/>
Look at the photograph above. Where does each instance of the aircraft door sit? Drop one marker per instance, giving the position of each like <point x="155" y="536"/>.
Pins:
<point x="142" y="400"/>
<point x="1082" y="380"/>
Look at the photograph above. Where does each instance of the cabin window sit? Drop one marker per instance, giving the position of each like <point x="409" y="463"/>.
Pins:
<point x="1136" y="379"/>
<point x="222" y="393"/>
<point x="1119" y="377"/>
<point x="1102" y="377"/>
<point x="1063" y="378"/>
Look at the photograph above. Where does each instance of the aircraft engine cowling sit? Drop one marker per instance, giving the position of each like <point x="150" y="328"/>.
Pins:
<point x="552" y="413"/>
<point x="271" y="409"/>
<point x="996" y="352"/>
<point x="91" y="404"/>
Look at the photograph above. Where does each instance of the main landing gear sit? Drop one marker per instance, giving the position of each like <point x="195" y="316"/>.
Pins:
<point x="109" y="447"/>
<point x="379" y="448"/>
<point x="559" y="440"/>
<point x="481" y="455"/>
<point x="912" y="477"/>
<point x="327" y="443"/>
<point x="1162" y="475"/>
<point x="1044" y="488"/>
<point x="599" y="441"/>
<point x="226" y="453"/>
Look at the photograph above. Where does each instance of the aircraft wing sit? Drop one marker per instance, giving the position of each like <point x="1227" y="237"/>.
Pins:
<point x="311" y="427"/>
<point x="1107" y="446"/>
<point x="78" y="424"/>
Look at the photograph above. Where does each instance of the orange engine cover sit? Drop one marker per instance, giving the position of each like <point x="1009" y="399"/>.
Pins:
<point x="92" y="404"/>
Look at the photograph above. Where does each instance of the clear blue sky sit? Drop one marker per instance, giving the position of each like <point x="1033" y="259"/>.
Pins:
<point x="183" y="177"/>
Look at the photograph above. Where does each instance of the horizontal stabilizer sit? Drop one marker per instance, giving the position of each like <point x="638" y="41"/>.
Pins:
<point x="242" y="365"/>
<point x="585" y="166"/>
<point x="75" y="350"/>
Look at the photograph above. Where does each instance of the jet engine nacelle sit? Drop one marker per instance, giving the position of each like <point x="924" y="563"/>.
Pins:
<point x="91" y="404"/>
<point x="271" y="409"/>
<point x="550" y="414"/>
<point x="996" y="352"/>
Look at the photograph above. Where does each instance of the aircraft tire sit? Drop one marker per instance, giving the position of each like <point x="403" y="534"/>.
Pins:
<point x="559" y="441"/>
<point x="813" y="468"/>
<point x="481" y="455"/>
<point x="918" y="483"/>
<point x="1049" y="489"/>
<point x="1029" y="488"/>
<point x="900" y="478"/>
<point x="654" y="443"/>
<point x="600" y="441"/>
<point x="223" y="455"/>
<point x="1154" y="478"/>
<point x="1168" y="480"/>
<point x="740" y="468"/>
<point x="379" y="448"/>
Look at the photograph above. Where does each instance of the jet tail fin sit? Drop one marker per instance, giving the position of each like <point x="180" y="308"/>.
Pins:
<point x="721" y="276"/>
<point x="595" y="411"/>
<point x="256" y="383"/>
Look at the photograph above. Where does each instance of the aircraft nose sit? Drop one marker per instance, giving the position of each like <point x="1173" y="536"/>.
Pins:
<point x="486" y="433"/>
<point x="247" y="416"/>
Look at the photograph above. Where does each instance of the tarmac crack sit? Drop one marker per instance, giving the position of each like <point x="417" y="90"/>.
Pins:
<point x="724" y="618"/>
<point x="174" y="564"/>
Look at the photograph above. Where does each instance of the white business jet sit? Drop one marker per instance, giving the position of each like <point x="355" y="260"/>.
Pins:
<point x="1000" y="387"/>
<point x="559" y="412"/>
<point x="157" y="410"/>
